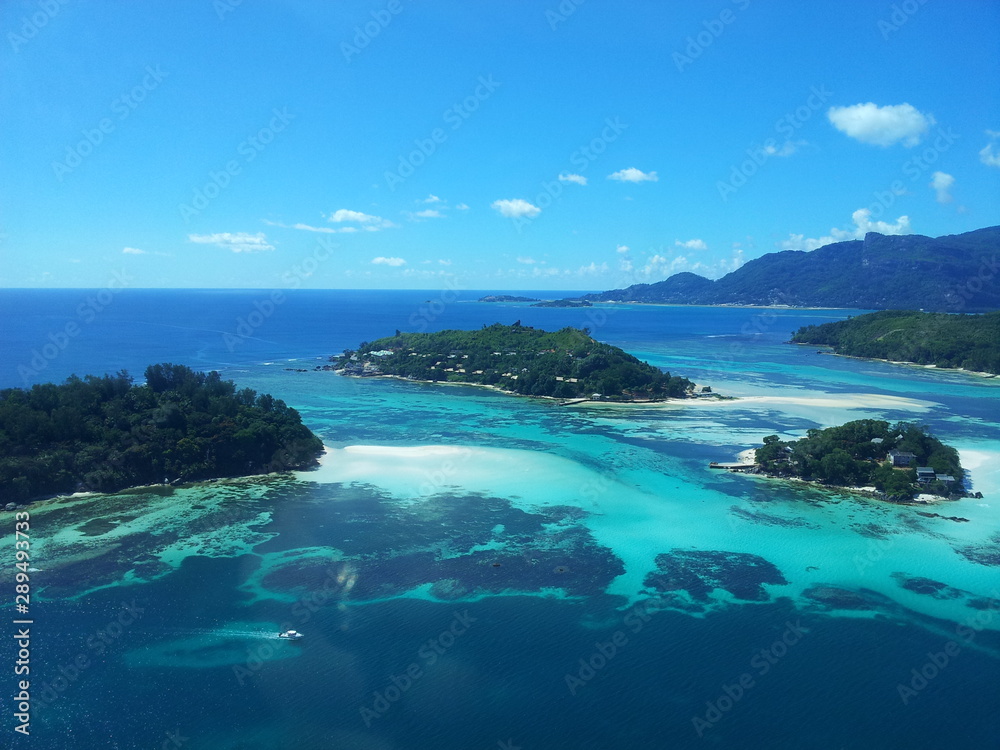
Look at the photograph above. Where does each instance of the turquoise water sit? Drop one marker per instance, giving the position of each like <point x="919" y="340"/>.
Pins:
<point x="472" y="569"/>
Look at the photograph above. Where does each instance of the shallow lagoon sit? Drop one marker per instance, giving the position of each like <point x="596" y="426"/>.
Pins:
<point x="551" y="526"/>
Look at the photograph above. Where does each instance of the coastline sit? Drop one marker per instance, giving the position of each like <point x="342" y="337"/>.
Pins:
<point x="917" y="365"/>
<point x="575" y="401"/>
<point x="82" y="494"/>
<point x="723" y="305"/>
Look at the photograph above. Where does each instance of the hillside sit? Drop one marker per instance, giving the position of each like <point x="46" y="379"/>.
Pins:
<point x="520" y="359"/>
<point x="106" y="433"/>
<point x="971" y="342"/>
<point x="946" y="274"/>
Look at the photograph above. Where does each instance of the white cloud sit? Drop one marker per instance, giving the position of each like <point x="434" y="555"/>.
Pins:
<point x="431" y="199"/>
<point x="516" y="208"/>
<point x="881" y="126"/>
<point x="633" y="175"/>
<point x="462" y="207"/>
<point x="238" y="242"/>
<point x="862" y="225"/>
<point x="786" y="149"/>
<point x="307" y="228"/>
<point x="579" y="179"/>
<point x="941" y="182"/>
<point x="694" y="244"/>
<point x="544" y="271"/>
<point x="444" y="262"/>
<point x="727" y="266"/>
<point x="526" y="261"/>
<point x="989" y="154"/>
<point x="622" y="249"/>
<point x="368" y="222"/>
<point x="657" y="265"/>
<point x="593" y="269"/>
<point x="427" y="213"/>
<point x="394" y="262"/>
<point x="133" y="251"/>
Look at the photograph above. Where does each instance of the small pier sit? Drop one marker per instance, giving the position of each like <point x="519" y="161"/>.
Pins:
<point x="733" y="466"/>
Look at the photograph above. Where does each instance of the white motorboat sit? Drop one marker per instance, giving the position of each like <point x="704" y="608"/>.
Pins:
<point x="290" y="635"/>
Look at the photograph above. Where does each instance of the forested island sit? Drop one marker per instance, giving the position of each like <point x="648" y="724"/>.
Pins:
<point x="899" y="460"/>
<point x="107" y="433"/>
<point x="519" y="359"/>
<point x="506" y="298"/>
<point x="970" y="342"/>
<point x="564" y="303"/>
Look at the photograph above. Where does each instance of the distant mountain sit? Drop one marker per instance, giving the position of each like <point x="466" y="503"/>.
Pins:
<point x="956" y="273"/>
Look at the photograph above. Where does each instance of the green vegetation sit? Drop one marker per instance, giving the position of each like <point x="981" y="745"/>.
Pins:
<point x="564" y="303"/>
<point x="880" y="272"/>
<point x="105" y="433"/>
<point x="521" y="359"/>
<point x="506" y="298"/>
<point x="968" y="341"/>
<point x="857" y="453"/>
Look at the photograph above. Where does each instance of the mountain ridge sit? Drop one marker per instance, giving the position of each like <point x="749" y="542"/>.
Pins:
<point x="952" y="273"/>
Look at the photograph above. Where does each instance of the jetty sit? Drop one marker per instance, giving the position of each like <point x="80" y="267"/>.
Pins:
<point x="731" y="466"/>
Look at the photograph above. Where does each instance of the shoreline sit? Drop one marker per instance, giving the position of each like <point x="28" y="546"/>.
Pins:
<point x="82" y="494"/>
<point x="574" y="401"/>
<point x="723" y="305"/>
<point x="749" y="456"/>
<point x="976" y="373"/>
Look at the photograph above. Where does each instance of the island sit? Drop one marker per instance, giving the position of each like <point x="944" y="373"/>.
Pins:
<point x="566" y="364"/>
<point x="898" y="460"/>
<point x="879" y="272"/>
<point x="564" y="303"/>
<point x="967" y="342"/>
<point x="506" y="298"/>
<point x="107" y="433"/>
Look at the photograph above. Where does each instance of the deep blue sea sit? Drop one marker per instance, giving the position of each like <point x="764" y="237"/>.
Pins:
<point x="478" y="571"/>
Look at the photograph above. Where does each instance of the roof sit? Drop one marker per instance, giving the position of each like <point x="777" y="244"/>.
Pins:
<point x="902" y="454"/>
<point x="946" y="477"/>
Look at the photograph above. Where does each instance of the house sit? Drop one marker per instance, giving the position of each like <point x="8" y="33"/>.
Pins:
<point x="876" y="441"/>
<point x="946" y="478"/>
<point x="925" y="474"/>
<point x="901" y="458"/>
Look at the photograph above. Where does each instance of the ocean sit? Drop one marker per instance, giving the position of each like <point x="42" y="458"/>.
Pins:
<point x="473" y="570"/>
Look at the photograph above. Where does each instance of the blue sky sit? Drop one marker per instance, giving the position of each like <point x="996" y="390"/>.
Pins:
<point x="491" y="145"/>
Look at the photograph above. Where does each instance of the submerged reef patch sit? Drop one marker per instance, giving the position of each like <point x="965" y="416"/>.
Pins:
<point x="700" y="572"/>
